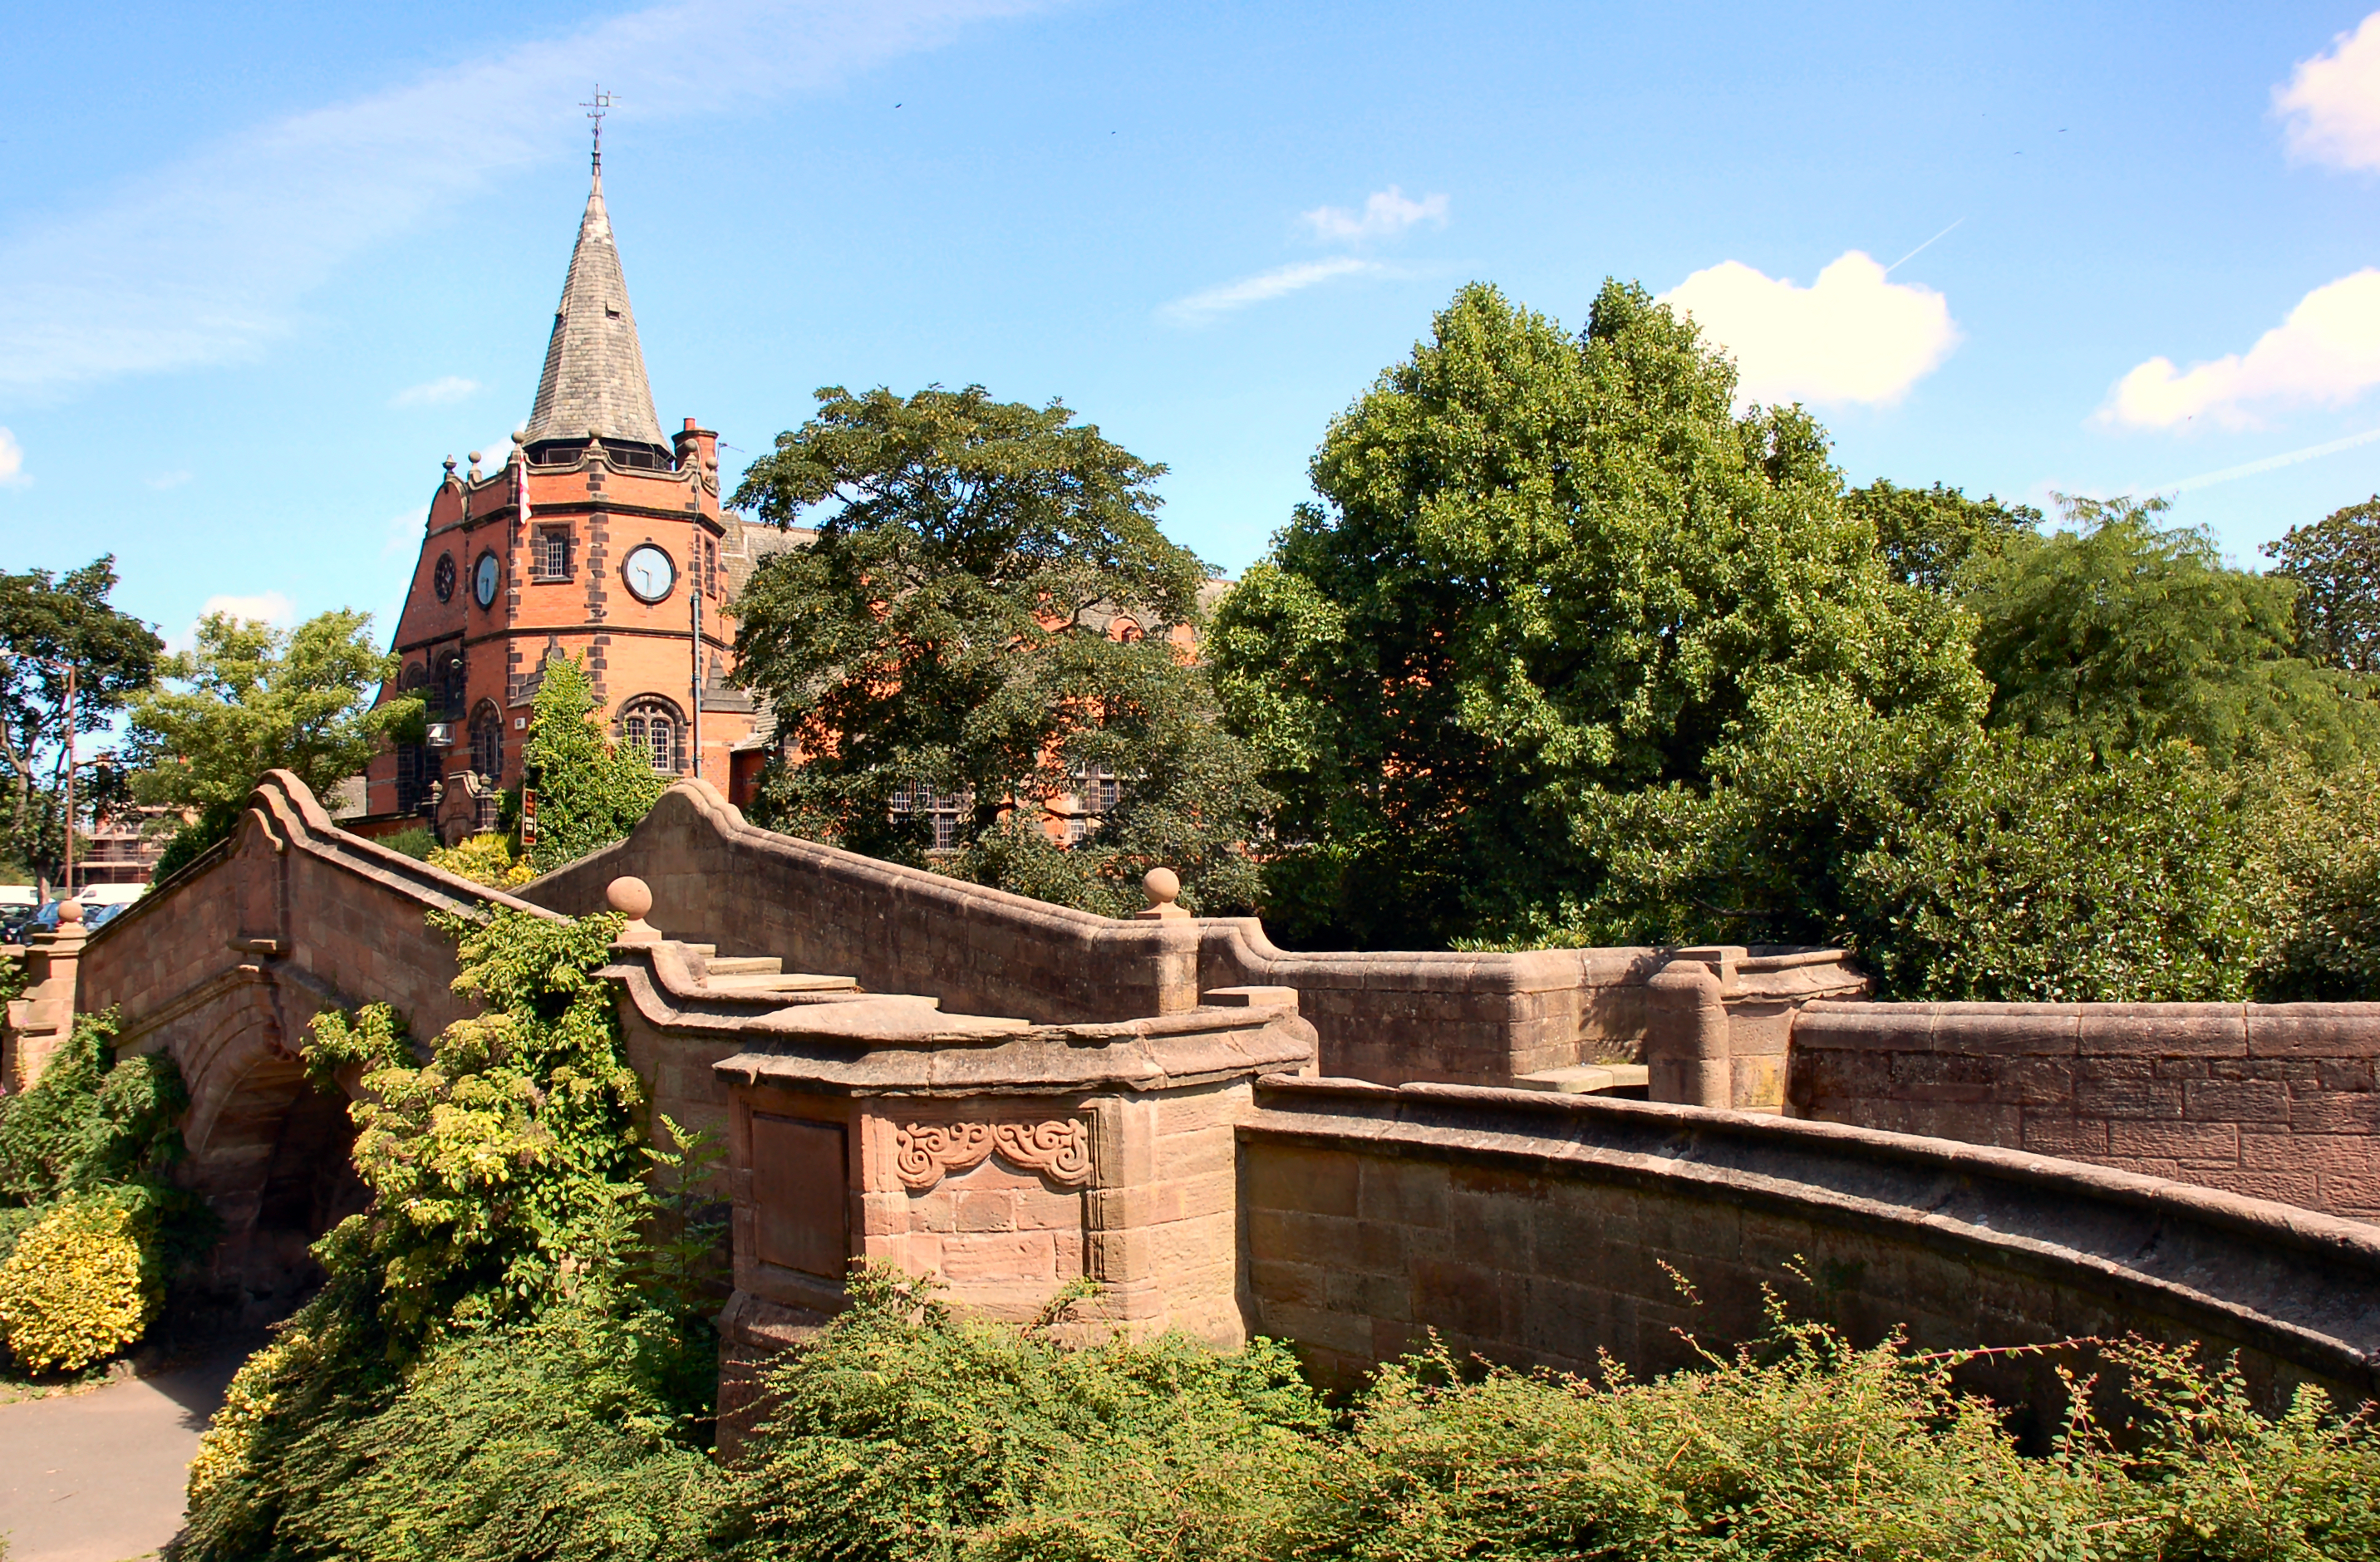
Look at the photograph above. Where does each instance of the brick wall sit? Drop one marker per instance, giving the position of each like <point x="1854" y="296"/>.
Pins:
<point x="1535" y="1229"/>
<point x="2270" y="1101"/>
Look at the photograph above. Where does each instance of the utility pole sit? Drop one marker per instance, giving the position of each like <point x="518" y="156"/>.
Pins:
<point x="70" y="775"/>
<point x="696" y="579"/>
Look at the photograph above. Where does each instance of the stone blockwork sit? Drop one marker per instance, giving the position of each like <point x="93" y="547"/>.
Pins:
<point x="1391" y="1017"/>
<point x="1546" y="1231"/>
<point x="2271" y="1101"/>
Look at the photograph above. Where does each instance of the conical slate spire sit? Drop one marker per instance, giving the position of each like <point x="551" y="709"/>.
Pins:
<point x="594" y="375"/>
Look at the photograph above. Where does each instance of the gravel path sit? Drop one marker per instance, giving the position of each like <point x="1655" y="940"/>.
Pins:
<point x="97" y="1477"/>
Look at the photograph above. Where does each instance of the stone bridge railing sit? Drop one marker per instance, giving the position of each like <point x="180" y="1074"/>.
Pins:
<point x="1546" y="1229"/>
<point x="1481" y="1019"/>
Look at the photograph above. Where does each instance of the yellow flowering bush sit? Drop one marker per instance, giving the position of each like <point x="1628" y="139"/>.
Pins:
<point x="482" y="859"/>
<point x="72" y="1292"/>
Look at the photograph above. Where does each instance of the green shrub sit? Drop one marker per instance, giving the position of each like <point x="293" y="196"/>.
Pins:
<point x="910" y="1429"/>
<point x="557" y="1438"/>
<point x="1956" y="864"/>
<point x="416" y="842"/>
<point x="74" y="1289"/>
<point x="86" y="1200"/>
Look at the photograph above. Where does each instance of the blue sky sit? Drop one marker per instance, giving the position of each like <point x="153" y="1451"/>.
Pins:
<point x="262" y="266"/>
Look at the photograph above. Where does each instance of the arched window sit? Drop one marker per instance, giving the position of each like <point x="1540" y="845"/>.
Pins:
<point x="652" y="726"/>
<point x="487" y="740"/>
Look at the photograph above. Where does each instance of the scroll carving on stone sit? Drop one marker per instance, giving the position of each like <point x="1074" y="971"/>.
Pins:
<point x="926" y="1152"/>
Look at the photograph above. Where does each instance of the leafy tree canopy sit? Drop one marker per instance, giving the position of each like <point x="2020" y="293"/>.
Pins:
<point x="47" y="621"/>
<point x="2123" y="633"/>
<point x="1545" y="569"/>
<point x="254" y="698"/>
<point x="2336" y="563"/>
<point x="949" y="636"/>
<point x="1927" y="535"/>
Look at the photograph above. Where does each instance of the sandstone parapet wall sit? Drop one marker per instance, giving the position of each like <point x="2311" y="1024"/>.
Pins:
<point x="1389" y="1017"/>
<point x="2272" y="1101"/>
<point x="1545" y="1230"/>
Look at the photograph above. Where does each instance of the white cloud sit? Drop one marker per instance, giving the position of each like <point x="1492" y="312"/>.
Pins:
<point x="205" y="261"/>
<point x="164" y="480"/>
<point x="437" y="393"/>
<point x="1851" y="336"/>
<point x="270" y="607"/>
<point x="2332" y="102"/>
<point x="1205" y="305"/>
<point x="12" y="462"/>
<point x="2328" y="350"/>
<point x="1385" y="213"/>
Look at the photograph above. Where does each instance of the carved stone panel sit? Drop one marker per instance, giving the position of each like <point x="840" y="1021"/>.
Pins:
<point x="1058" y="1149"/>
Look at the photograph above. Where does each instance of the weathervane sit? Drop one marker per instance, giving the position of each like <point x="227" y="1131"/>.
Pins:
<point x="597" y="107"/>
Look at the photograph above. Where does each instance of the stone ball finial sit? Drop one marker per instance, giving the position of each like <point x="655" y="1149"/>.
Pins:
<point x="69" y="911"/>
<point x="632" y="898"/>
<point x="520" y="436"/>
<point x="1163" y="887"/>
<point x="475" y="458"/>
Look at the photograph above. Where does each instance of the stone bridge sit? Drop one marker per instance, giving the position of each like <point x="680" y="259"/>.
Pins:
<point x="1342" y="1150"/>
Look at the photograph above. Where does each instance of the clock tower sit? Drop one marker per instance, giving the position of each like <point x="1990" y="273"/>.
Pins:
<point x="598" y="537"/>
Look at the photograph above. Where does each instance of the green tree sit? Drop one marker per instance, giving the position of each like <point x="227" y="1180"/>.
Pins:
<point x="255" y="698"/>
<point x="47" y="621"/>
<point x="1545" y="570"/>
<point x="1927" y="535"/>
<point x="2122" y="633"/>
<point x="2336" y="563"/>
<point x="948" y="637"/>
<point x="1955" y="863"/>
<point x="590" y="792"/>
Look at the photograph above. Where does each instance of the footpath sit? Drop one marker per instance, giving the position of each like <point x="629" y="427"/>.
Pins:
<point x="97" y="1477"/>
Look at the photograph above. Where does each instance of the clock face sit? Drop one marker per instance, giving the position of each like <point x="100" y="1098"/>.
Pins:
<point x="648" y="572"/>
<point x="443" y="577"/>
<point x="483" y="579"/>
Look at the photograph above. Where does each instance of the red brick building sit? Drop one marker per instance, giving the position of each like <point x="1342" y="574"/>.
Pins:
<point x="599" y="538"/>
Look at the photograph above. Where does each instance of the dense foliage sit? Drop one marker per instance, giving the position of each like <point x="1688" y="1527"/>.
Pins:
<point x="590" y="792"/>
<point x="86" y="1161"/>
<point x="48" y="621"/>
<point x="948" y="643"/>
<point x="509" y="1214"/>
<point x="1568" y="653"/>
<point x="75" y="1288"/>
<point x="2121" y="634"/>
<point x="254" y="698"/>
<point x="908" y="1431"/>
<point x="483" y="859"/>
<point x="2336" y="565"/>
<point x="1545" y="570"/>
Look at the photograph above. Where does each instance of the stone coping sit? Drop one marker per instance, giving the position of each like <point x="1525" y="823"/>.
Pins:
<point x="2303" y="1286"/>
<point x="288" y="812"/>
<point x="2239" y="1030"/>
<point x="1202" y="1045"/>
<point x="1234" y="941"/>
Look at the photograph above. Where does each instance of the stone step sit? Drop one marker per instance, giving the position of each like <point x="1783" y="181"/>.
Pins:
<point x="1585" y="1078"/>
<point x="773" y="981"/>
<point x="746" y="965"/>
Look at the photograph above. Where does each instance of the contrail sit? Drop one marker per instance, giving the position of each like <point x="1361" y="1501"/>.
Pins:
<point x="1912" y="254"/>
<point x="2270" y="463"/>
